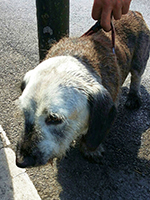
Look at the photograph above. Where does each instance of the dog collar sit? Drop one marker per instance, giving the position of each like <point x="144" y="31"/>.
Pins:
<point x="96" y="27"/>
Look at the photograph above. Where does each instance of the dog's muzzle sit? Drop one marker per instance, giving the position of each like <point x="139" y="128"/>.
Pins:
<point x="25" y="162"/>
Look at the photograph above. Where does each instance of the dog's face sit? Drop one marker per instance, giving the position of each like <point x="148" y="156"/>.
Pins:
<point x="55" y="103"/>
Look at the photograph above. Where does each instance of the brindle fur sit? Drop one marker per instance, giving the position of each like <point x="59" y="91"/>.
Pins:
<point x="132" y="51"/>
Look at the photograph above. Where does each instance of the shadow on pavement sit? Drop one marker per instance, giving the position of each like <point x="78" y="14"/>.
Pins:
<point x="125" y="172"/>
<point x="6" y="187"/>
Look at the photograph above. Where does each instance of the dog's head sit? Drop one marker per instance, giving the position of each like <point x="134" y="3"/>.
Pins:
<point x="61" y="101"/>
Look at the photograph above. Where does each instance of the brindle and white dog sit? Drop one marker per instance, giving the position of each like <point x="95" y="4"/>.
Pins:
<point x="74" y="92"/>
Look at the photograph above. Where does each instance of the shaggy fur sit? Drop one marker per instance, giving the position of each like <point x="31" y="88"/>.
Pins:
<point x="74" y="92"/>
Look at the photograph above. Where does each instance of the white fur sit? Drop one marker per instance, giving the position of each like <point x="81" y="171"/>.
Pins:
<point x="56" y="85"/>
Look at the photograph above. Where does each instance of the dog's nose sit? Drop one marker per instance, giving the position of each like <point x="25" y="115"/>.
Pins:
<point x="25" y="162"/>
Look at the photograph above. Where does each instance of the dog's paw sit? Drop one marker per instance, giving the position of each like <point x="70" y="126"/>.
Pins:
<point x="133" y="101"/>
<point x="93" y="156"/>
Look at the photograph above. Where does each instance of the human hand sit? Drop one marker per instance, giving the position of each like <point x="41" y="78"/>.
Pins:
<point x="103" y="9"/>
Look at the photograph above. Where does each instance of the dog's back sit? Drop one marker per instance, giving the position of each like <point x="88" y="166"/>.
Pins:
<point x="132" y="48"/>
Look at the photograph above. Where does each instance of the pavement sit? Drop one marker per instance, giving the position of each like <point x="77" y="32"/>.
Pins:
<point x="125" y="172"/>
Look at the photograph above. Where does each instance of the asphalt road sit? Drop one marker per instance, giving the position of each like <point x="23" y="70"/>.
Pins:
<point x="125" y="172"/>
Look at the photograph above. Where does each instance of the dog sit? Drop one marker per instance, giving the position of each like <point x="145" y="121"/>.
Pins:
<point x="74" y="92"/>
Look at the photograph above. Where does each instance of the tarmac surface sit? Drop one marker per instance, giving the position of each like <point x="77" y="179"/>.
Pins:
<point x="125" y="170"/>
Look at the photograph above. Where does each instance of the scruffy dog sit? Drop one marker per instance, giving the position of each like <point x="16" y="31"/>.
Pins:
<point x="74" y="92"/>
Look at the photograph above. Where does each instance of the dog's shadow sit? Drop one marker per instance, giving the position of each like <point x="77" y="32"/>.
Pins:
<point x="125" y="169"/>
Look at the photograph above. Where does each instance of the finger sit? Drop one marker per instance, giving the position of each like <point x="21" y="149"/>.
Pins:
<point x="106" y="18"/>
<point x="96" y="13"/>
<point x="117" y="13"/>
<point x="96" y="10"/>
<point x="117" y="10"/>
<point x="126" y="7"/>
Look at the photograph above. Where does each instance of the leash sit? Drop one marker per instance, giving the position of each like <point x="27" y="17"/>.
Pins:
<point x="96" y="27"/>
<point x="113" y="37"/>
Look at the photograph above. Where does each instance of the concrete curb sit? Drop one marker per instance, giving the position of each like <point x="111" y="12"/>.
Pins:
<point x="15" y="184"/>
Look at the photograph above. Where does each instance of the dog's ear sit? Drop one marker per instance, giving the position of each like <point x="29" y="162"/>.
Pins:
<point x="102" y="115"/>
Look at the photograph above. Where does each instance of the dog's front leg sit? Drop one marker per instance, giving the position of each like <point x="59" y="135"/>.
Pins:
<point x="93" y="156"/>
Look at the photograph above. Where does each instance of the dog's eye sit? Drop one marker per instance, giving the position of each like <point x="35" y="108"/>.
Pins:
<point x="53" y="120"/>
